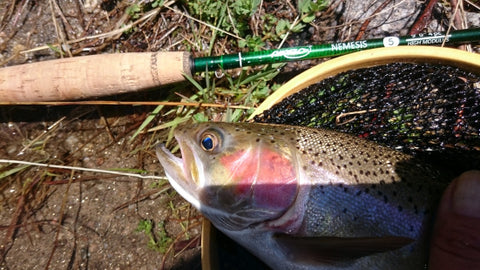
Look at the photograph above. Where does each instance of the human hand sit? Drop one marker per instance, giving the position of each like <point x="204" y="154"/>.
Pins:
<point x="456" y="237"/>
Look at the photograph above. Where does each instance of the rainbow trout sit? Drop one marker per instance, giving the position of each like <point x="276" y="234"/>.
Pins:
<point x="303" y="198"/>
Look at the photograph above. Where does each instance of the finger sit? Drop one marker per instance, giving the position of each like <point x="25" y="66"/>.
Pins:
<point x="456" y="237"/>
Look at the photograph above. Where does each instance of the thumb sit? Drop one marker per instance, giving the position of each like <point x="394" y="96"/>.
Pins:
<point x="456" y="236"/>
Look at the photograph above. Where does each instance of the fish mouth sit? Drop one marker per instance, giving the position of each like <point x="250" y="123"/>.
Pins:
<point x="182" y="173"/>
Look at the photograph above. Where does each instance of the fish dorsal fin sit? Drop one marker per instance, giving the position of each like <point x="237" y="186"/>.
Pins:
<point x="332" y="250"/>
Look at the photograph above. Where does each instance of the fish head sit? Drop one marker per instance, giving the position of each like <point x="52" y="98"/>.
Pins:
<point x="236" y="175"/>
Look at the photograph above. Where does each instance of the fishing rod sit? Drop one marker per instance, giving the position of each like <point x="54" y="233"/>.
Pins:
<point x="108" y="74"/>
<point x="237" y="60"/>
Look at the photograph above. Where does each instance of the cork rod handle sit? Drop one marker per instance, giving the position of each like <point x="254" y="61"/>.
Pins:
<point x="92" y="76"/>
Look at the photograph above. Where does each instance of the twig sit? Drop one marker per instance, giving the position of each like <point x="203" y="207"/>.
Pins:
<point x="60" y="35"/>
<point x="204" y="23"/>
<point x="147" y="16"/>
<point x="12" y="161"/>
<point x="365" y="24"/>
<point x="131" y="103"/>
<point x="342" y="115"/>
<point x="49" y="129"/>
<point x="472" y="4"/>
<point x="423" y="19"/>
<point x="8" y="240"/>
<point x="61" y="215"/>
<point x="288" y="32"/>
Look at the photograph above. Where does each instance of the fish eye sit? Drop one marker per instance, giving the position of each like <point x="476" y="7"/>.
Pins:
<point x="209" y="141"/>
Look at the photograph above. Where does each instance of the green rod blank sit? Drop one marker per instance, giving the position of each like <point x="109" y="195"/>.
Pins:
<point x="231" y="61"/>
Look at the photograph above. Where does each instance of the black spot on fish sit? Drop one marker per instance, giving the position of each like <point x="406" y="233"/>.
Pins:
<point x="394" y="193"/>
<point x="304" y="168"/>
<point x="415" y="208"/>
<point x="379" y="193"/>
<point x="257" y="140"/>
<point x="320" y="163"/>
<point x="358" y="193"/>
<point x="367" y="190"/>
<point x="411" y="228"/>
<point x="382" y="182"/>
<point x="400" y="208"/>
<point x="385" y="199"/>
<point x="344" y="210"/>
<point x="272" y="141"/>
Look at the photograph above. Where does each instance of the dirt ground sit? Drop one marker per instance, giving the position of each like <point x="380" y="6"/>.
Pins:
<point x="58" y="218"/>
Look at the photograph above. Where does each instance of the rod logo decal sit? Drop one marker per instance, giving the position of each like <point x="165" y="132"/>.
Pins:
<point x="293" y="53"/>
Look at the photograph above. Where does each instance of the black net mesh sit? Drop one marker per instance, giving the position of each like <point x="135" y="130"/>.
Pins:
<point x="420" y="109"/>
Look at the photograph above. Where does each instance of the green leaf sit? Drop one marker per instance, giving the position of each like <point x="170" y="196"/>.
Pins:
<point x="282" y="27"/>
<point x="252" y="43"/>
<point x="13" y="171"/>
<point x="146" y="122"/>
<point x="304" y="6"/>
<point x="298" y="28"/>
<point x="157" y="3"/>
<point x="200" y="117"/>
<point x="133" y="11"/>
<point x="308" y="18"/>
